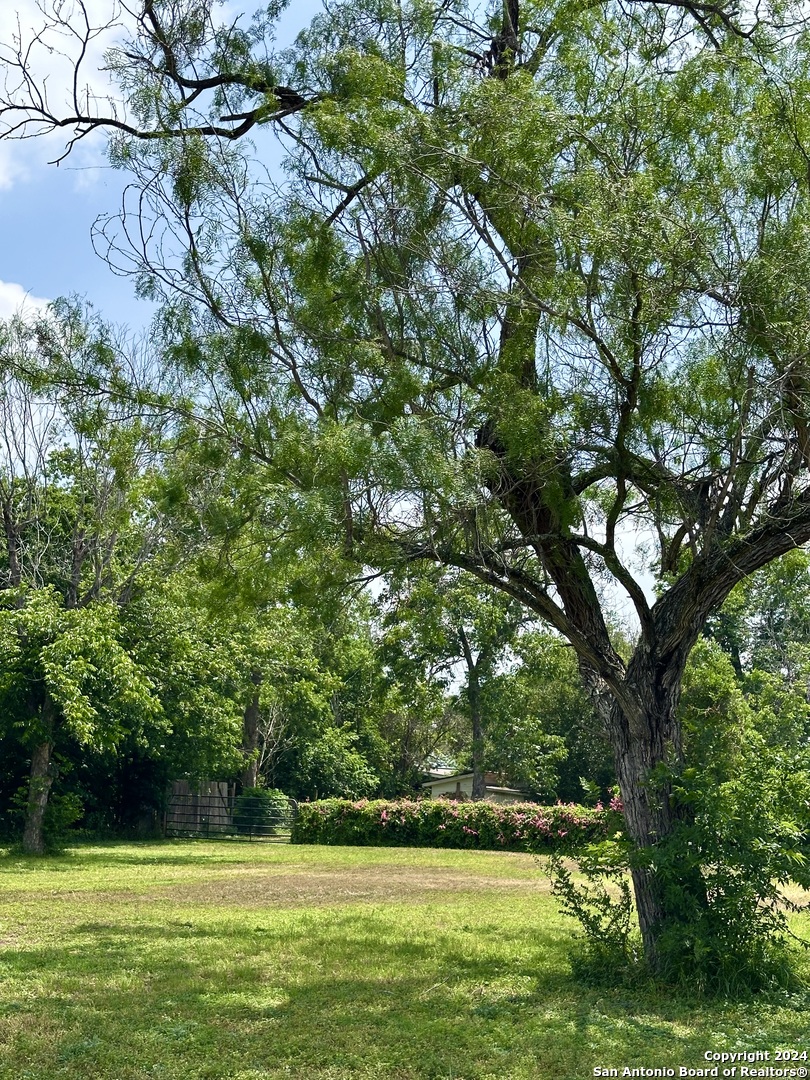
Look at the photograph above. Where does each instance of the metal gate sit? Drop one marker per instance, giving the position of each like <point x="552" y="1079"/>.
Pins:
<point x="217" y="812"/>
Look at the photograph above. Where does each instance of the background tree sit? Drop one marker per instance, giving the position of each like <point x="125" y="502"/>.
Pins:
<point x="112" y="674"/>
<point x="765" y="624"/>
<point x="544" y="733"/>
<point x="455" y="627"/>
<point x="65" y="671"/>
<point x="69" y="481"/>
<point x="539" y="278"/>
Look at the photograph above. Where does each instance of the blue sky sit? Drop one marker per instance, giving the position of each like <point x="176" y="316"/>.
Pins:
<point x="46" y="213"/>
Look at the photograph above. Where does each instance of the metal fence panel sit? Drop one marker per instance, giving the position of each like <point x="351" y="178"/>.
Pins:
<point x="217" y="811"/>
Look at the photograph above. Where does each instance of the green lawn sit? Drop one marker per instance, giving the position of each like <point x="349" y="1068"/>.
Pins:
<point x="245" y="961"/>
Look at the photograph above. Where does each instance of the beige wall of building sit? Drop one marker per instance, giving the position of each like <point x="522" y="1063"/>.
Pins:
<point x="461" y="784"/>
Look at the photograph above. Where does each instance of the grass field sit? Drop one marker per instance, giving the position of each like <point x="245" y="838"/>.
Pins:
<point x="249" y="962"/>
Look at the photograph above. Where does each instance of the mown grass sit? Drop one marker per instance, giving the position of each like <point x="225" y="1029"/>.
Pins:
<point x="201" y="961"/>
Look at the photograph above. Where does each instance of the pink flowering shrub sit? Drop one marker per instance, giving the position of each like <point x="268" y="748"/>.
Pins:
<point x="440" y="823"/>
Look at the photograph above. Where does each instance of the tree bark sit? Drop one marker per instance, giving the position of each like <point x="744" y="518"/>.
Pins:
<point x="648" y="820"/>
<point x="641" y="743"/>
<point x="250" y="734"/>
<point x="479" y="784"/>
<point x="39" y="787"/>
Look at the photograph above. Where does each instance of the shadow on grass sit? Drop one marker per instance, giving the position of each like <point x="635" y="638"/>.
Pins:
<point x="338" y="994"/>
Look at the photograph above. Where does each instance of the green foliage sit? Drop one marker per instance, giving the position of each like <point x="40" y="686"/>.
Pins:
<point x="608" y="949"/>
<point x="260" y="811"/>
<point x="76" y="655"/>
<point x="744" y="833"/>
<point x="765" y="624"/>
<point x="519" y="685"/>
<point x="199" y="673"/>
<point x="61" y="814"/>
<point x="332" y="765"/>
<point x="542" y="730"/>
<point x="443" y="823"/>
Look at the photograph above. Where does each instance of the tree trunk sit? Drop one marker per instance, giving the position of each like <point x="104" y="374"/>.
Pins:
<point x="648" y="819"/>
<point x="250" y="735"/>
<point x="652" y="739"/>
<point x="12" y="531"/>
<point x="40" y="784"/>
<point x="479" y="783"/>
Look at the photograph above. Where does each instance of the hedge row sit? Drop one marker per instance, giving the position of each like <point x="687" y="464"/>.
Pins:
<point x="441" y="823"/>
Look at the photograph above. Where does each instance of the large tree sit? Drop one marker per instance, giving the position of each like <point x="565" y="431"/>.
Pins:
<point x="532" y="302"/>
<point x="76" y="534"/>
<point x="105" y="654"/>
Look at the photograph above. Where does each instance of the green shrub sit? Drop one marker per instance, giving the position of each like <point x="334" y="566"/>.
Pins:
<point x="61" y="814"/>
<point x="608" y="949"/>
<point x="441" y="823"/>
<point x="260" y="811"/>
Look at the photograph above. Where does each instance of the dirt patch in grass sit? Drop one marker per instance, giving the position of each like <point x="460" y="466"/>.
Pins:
<point x="306" y="887"/>
<point x="303" y="886"/>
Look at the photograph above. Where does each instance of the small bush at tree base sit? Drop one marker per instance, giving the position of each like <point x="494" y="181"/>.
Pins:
<point x="608" y="949"/>
<point x="729" y="936"/>
<point x="440" y="823"/>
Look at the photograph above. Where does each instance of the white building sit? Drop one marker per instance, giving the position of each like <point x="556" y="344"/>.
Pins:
<point x="460" y="785"/>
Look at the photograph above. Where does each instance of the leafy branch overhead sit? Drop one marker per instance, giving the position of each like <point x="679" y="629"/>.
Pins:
<point x="168" y="50"/>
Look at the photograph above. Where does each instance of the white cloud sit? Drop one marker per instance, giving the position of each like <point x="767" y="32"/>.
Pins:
<point x="14" y="300"/>
<point x="52" y="67"/>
